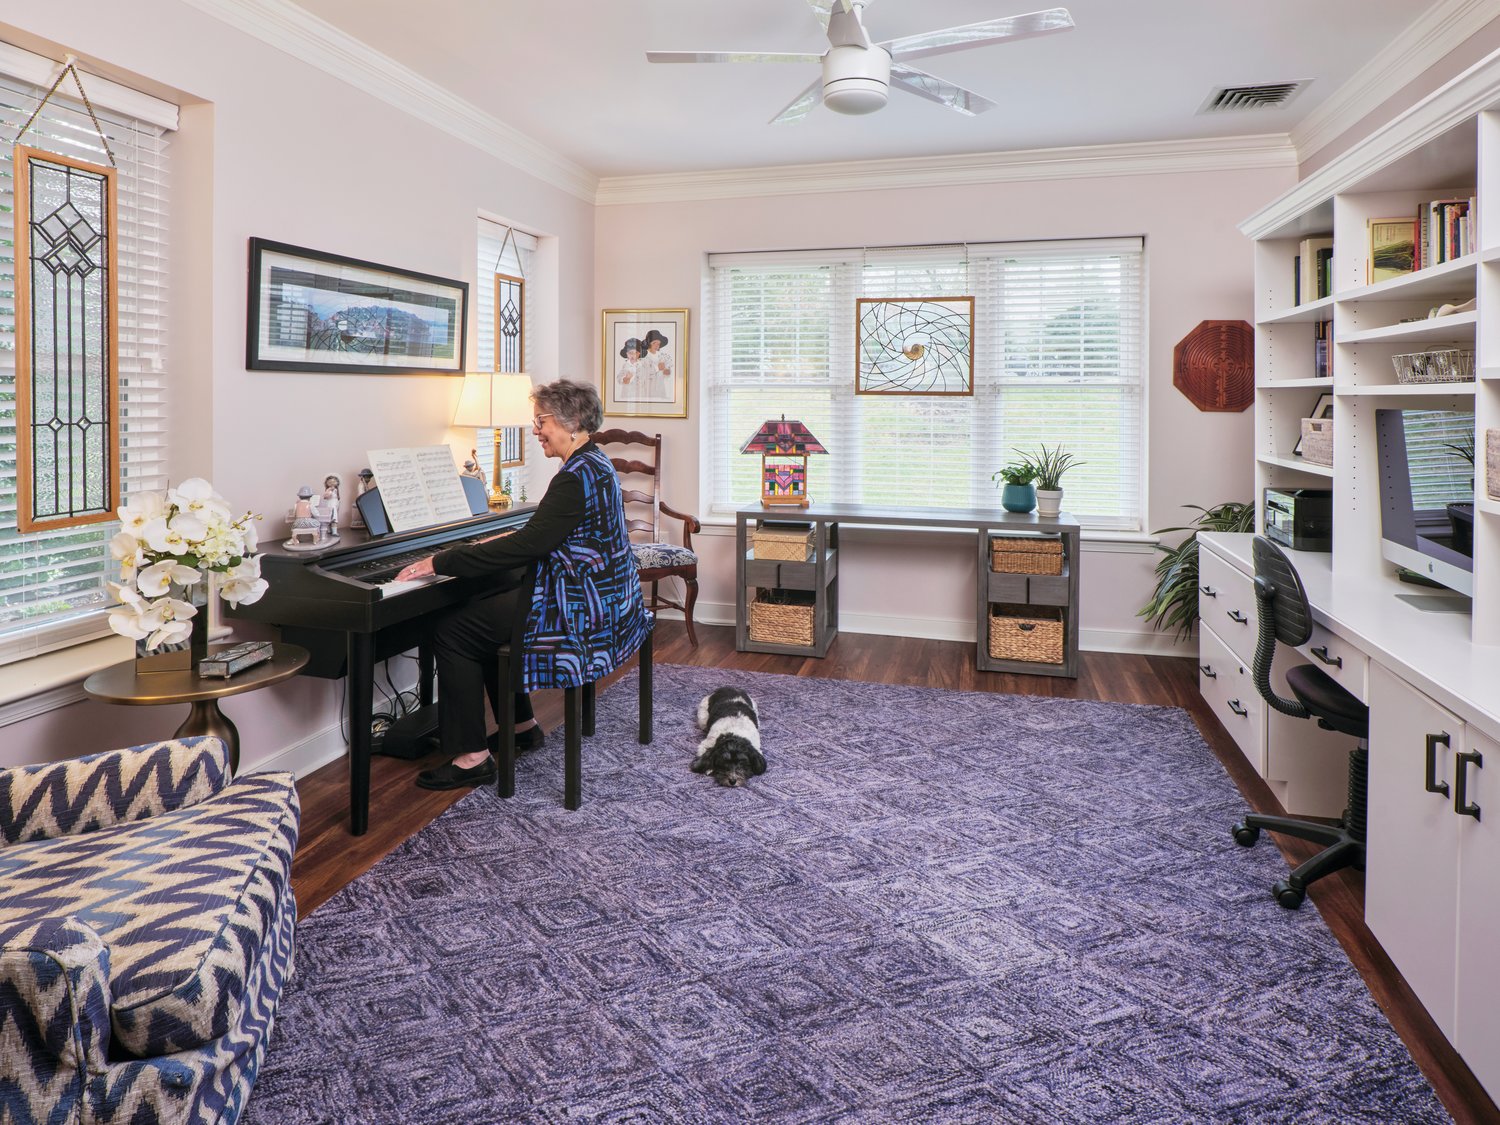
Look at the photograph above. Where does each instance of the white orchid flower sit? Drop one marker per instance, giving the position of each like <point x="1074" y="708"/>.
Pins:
<point x="126" y="594"/>
<point x="124" y="547"/>
<point x="127" y="621"/>
<point x="140" y="510"/>
<point x="196" y="496"/>
<point x="170" y="621"/>
<point x="179" y="537"/>
<point x="249" y="535"/>
<point x="156" y="579"/>
<point x="243" y="584"/>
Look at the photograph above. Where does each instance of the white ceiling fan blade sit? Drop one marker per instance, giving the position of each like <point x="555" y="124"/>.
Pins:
<point x="822" y="8"/>
<point x="1026" y="26"/>
<point x="730" y="56"/>
<point x="801" y="105"/>
<point x="935" y="89"/>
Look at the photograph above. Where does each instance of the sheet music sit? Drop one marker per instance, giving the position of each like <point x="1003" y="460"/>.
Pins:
<point x="419" y="486"/>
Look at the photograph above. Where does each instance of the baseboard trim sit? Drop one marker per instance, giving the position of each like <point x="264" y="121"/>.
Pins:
<point x="312" y="753"/>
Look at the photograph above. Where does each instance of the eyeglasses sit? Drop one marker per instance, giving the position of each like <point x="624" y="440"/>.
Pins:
<point x="536" y="421"/>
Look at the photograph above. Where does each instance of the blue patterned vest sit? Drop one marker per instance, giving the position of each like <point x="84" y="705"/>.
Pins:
<point x="587" y="616"/>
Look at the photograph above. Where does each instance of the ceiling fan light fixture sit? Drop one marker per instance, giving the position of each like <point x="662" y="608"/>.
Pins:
<point x="856" y="79"/>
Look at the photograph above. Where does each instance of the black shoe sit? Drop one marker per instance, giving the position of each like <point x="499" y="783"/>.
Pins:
<point x="532" y="738"/>
<point x="450" y="776"/>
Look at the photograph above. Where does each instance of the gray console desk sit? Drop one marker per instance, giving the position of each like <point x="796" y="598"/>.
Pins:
<point x="820" y="576"/>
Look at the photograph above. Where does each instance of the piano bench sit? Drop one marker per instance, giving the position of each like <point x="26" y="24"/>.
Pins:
<point x="578" y="723"/>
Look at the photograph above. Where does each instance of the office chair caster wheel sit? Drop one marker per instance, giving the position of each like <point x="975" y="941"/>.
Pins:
<point x="1288" y="895"/>
<point x="1244" y="835"/>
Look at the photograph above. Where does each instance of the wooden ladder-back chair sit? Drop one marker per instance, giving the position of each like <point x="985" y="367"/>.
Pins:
<point x="639" y="465"/>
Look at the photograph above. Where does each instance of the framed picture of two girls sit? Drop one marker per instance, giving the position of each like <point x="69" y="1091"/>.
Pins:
<point x="644" y="372"/>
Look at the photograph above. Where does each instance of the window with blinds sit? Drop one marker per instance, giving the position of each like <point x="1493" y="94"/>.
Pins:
<point x="52" y="583"/>
<point x="1058" y="359"/>
<point x="512" y="257"/>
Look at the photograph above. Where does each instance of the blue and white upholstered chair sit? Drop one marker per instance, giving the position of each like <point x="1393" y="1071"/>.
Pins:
<point x="146" y="930"/>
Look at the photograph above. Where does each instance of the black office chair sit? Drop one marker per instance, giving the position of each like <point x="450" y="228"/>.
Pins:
<point x="1281" y="607"/>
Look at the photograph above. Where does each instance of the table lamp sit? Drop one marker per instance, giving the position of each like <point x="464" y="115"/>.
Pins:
<point x="500" y="401"/>
<point x="783" y="447"/>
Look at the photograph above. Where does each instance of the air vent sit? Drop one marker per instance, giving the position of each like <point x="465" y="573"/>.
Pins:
<point x="1230" y="98"/>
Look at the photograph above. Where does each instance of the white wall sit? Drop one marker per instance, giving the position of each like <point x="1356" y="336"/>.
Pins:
<point x="652" y="255"/>
<point x="273" y="148"/>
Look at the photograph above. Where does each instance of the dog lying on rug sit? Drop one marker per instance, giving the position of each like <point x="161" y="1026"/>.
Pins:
<point x="730" y="750"/>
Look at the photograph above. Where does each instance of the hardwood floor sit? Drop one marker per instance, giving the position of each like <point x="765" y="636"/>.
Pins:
<point x="328" y="857"/>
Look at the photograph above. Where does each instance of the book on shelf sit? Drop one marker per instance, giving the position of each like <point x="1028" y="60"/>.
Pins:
<point x="1392" y="248"/>
<point x="1444" y="230"/>
<point x="1323" y="349"/>
<point x="1313" y="258"/>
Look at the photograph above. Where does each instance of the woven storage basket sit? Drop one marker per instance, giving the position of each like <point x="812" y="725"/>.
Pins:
<point x="1492" y="463"/>
<point x="1317" y="440"/>
<point x="1026" y="632"/>
<point x="1026" y="554"/>
<point x="1439" y="365"/>
<point x="788" y="544"/>
<point x="782" y="617"/>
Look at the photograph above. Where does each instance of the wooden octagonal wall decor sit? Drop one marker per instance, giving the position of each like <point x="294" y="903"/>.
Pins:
<point x="1214" y="365"/>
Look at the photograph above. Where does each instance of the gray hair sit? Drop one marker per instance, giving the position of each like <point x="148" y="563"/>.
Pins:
<point x="575" y="405"/>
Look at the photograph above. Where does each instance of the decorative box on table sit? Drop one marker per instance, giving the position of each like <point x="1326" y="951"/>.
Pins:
<point x="1317" y="440"/>
<point x="788" y="542"/>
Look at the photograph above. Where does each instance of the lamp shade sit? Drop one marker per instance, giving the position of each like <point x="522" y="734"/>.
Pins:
<point x="781" y="436"/>
<point x="494" y="399"/>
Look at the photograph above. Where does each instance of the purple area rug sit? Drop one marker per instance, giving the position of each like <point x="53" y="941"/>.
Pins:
<point x="934" y="906"/>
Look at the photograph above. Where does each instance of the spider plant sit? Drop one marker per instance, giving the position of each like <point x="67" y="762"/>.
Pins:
<point x="1050" y="465"/>
<point x="1174" y="602"/>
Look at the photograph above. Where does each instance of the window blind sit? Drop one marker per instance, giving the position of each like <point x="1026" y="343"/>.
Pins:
<point x="52" y="584"/>
<point x="1058" y="359"/>
<point x="516" y="257"/>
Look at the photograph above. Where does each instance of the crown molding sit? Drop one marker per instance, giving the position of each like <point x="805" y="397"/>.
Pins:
<point x="1081" y="162"/>
<point x="1438" y="31"/>
<point x="304" y="36"/>
<point x="1476" y="89"/>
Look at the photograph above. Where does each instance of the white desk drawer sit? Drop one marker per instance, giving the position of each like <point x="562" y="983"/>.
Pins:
<point x="1340" y="659"/>
<point x="1226" y="684"/>
<point x="1226" y="603"/>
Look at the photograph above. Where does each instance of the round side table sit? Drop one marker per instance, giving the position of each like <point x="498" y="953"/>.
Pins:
<point x="120" y="684"/>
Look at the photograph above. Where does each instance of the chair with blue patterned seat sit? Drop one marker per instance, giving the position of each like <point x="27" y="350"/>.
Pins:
<point x="146" y="931"/>
<point x="655" y="558"/>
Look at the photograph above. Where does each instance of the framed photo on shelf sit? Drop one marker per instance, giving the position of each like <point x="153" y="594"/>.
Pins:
<point x="1323" y="408"/>
<point x="644" y="373"/>
<point x="311" y="311"/>
<point x="1393" y="248"/>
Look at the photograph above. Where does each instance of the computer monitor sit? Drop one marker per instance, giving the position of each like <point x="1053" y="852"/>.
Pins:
<point x="1426" y="460"/>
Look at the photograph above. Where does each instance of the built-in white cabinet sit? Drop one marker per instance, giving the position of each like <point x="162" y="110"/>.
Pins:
<point x="1432" y="883"/>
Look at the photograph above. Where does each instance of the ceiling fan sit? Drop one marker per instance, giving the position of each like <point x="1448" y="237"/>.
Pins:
<point x="858" y="74"/>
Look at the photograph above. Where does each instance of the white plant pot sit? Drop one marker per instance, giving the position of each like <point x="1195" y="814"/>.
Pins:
<point x="1049" y="502"/>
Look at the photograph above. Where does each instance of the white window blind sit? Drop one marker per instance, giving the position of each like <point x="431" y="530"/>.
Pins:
<point x="1058" y="343"/>
<point x="516" y="257"/>
<point x="52" y="584"/>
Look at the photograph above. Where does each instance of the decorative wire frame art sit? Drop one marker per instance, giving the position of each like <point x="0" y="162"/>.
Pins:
<point x="914" y="346"/>
<point x="67" y="433"/>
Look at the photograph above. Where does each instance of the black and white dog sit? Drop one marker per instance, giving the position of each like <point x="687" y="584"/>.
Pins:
<point x="730" y="750"/>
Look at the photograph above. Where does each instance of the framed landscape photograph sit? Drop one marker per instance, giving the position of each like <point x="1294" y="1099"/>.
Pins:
<point x="645" y="362"/>
<point x="311" y="311"/>
<point x="1392" y="248"/>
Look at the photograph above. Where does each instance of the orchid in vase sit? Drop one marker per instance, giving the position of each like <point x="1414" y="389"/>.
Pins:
<point x="166" y="544"/>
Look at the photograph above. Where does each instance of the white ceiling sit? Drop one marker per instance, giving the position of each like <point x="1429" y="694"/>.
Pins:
<point x="573" y="76"/>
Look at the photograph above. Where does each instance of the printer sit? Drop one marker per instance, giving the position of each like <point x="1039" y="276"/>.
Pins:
<point x="1300" y="518"/>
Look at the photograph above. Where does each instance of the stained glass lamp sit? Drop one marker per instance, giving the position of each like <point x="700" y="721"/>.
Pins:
<point x="501" y="402"/>
<point x="783" y="447"/>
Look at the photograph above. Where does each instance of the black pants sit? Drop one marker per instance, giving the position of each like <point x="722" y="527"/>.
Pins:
<point x="464" y="642"/>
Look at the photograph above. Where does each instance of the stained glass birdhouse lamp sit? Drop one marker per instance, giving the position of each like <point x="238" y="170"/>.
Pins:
<point x="783" y="447"/>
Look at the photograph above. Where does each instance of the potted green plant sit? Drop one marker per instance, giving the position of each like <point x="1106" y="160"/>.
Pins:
<point x="1049" y="466"/>
<point x="1174" y="601"/>
<point x="1017" y="492"/>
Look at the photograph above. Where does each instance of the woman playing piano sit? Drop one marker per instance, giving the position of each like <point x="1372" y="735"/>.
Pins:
<point x="583" y="613"/>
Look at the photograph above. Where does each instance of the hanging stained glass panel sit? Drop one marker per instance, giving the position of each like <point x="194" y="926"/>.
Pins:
<point x="915" y="346"/>
<point x="68" y="461"/>
<point x="510" y="355"/>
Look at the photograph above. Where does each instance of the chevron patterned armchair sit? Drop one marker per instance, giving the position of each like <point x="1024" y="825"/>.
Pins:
<point x="146" y="927"/>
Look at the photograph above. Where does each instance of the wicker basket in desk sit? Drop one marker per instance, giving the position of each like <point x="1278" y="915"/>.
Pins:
<point x="782" y="617"/>
<point x="1026" y="554"/>
<point x="785" y="544"/>
<point x="1026" y="632"/>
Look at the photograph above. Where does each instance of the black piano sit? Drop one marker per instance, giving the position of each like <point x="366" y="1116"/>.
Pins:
<point x="335" y="603"/>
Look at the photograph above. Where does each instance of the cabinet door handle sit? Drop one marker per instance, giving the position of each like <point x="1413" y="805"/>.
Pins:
<point x="1321" y="652"/>
<point x="1237" y="616"/>
<point x="1234" y="705"/>
<point x="1208" y="670"/>
<point x="1209" y="591"/>
<point x="1461" y="783"/>
<point x="1433" y="784"/>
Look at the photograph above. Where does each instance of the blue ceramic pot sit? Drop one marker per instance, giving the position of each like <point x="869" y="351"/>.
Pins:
<point x="1018" y="497"/>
